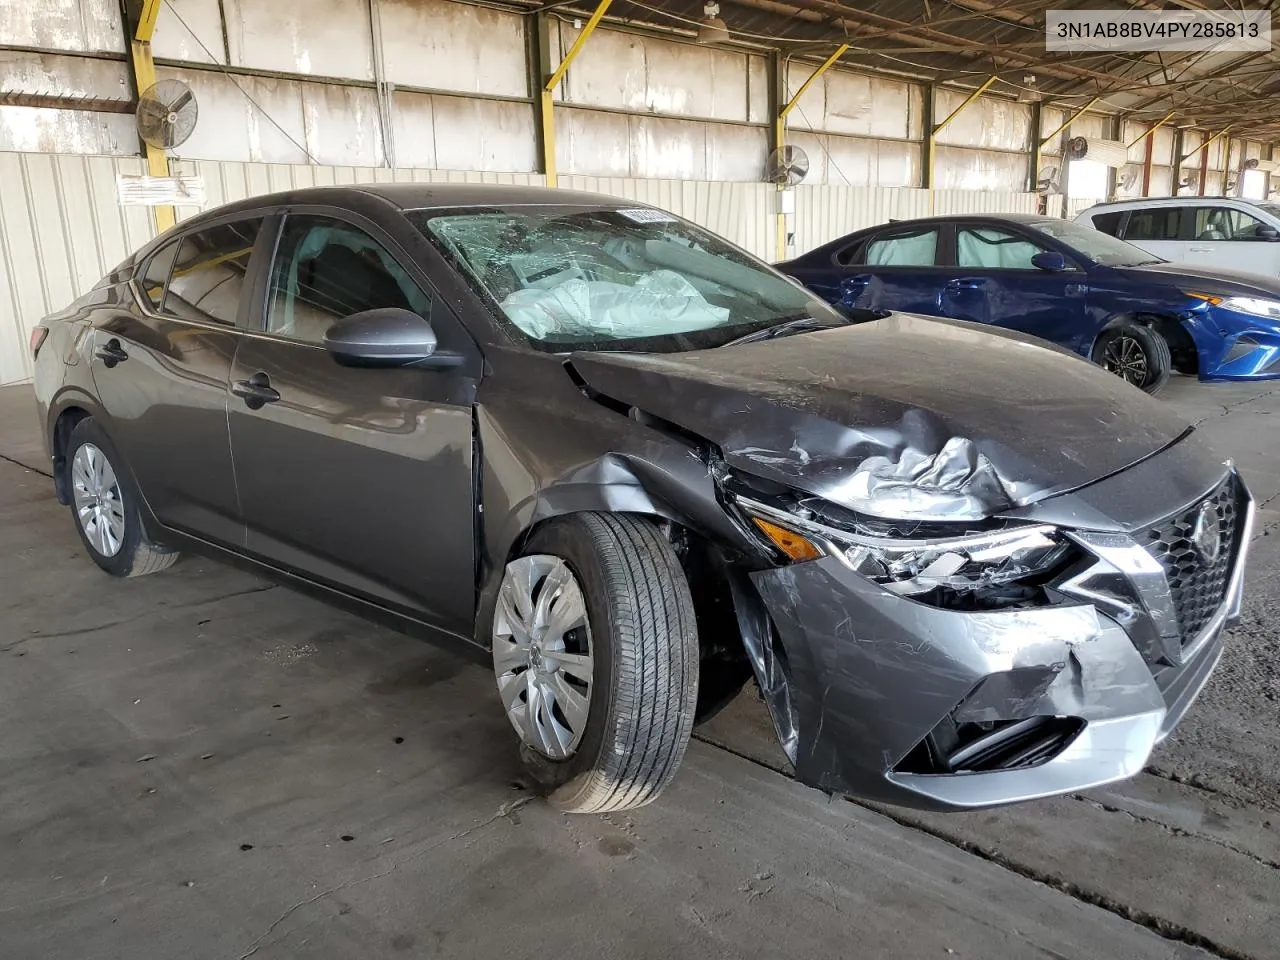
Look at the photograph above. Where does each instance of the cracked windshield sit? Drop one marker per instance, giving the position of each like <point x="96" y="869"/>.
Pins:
<point x="593" y="279"/>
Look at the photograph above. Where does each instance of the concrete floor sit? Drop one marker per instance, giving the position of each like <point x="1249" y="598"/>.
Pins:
<point x="200" y="764"/>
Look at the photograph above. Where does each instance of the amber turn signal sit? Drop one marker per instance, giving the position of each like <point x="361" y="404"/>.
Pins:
<point x="792" y="544"/>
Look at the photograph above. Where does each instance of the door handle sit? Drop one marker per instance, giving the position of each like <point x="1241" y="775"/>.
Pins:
<point x="1199" y="249"/>
<point x="965" y="283"/>
<point x="255" y="391"/>
<point x="111" y="353"/>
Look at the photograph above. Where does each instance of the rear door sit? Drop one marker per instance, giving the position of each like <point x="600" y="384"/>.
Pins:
<point x="895" y="269"/>
<point x="1233" y="239"/>
<point x="1161" y="231"/>
<point x="994" y="281"/>
<point x="361" y="479"/>
<point x="161" y="371"/>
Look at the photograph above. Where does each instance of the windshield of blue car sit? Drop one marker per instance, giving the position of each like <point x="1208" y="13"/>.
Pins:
<point x="585" y="278"/>
<point x="1095" y="245"/>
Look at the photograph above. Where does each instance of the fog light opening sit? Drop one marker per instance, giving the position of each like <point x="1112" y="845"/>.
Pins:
<point x="982" y="747"/>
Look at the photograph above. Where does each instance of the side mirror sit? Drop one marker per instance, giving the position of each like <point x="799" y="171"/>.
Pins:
<point x="386" y="337"/>
<point x="1050" y="261"/>
<point x="1267" y="232"/>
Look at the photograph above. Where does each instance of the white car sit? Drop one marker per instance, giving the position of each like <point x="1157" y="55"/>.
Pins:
<point x="1225" y="232"/>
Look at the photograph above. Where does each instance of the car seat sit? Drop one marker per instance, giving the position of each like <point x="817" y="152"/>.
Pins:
<point x="1213" y="229"/>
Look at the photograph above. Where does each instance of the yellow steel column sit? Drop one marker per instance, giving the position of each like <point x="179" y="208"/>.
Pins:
<point x="144" y="75"/>
<point x="931" y="145"/>
<point x="780" y="134"/>
<point x="548" y="88"/>
<point x="1137" y="140"/>
<point x="1205" y="145"/>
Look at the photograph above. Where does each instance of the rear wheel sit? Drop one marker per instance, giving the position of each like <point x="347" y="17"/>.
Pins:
<point x="106" y="509"/>
<point x="595" y="652"/>
<point x="1135" y="353"/>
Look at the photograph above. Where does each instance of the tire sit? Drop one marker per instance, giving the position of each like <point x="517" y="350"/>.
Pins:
<point x="641" y="639"/>
<point x="1135" y="353"/>
<point x="105" y="500"/>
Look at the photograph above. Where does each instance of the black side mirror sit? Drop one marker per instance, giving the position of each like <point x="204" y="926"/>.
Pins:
<point x="1050" y="261"/>
<point x="1267" y="232"/>
<point x="386" y="337"/>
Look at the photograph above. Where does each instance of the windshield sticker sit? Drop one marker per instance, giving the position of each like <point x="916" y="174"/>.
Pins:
<point x="648" y="216"/>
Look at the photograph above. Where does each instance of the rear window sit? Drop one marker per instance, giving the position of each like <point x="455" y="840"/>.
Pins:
<point x="916" y="248"/>
<point x="152" y="280"/>
<point x="1108" y="222"/>
<point x="1157" y="223"/>
<point x="208" y="276"/>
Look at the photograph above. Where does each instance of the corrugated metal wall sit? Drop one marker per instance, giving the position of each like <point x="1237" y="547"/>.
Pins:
<point x="61" y="230"/>
<point x="61" y="227"/>
<point x="737" y="211"/>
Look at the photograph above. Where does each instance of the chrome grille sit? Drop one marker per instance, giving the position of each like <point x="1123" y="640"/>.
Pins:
<point x="1198" y="573"/>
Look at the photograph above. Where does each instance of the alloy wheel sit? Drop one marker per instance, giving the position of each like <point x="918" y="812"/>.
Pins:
<point x="542" y="655"/>
<point x="98" y="501"/>
<point x="1125" y="357"/>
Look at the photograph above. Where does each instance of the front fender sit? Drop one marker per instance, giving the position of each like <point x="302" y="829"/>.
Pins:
<point x="609" y="463"/>
<point x="1232" y="348"/>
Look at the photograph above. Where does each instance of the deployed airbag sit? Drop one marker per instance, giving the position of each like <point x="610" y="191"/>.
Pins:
<point x="658" y="303"/>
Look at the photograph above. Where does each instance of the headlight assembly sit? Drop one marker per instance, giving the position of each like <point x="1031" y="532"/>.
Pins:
<point x="955" y="566"/>
<point x="1253" y="306"/>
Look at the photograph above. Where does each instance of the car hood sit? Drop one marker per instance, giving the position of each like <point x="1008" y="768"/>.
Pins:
<point x="1212" y="280"/>
<point x="905" y="416"/>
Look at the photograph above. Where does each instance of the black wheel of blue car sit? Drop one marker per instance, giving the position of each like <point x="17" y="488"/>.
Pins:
<point x="1136" y="354"/>
<point x="595" y="651"/>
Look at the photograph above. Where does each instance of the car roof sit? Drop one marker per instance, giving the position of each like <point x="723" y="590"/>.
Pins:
<point x="1141" y="201"/>
<point x="974" y="218"/>
<point x="424" y="196"/>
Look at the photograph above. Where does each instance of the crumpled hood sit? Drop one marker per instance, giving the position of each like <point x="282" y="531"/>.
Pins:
<point x="875" y="412"/>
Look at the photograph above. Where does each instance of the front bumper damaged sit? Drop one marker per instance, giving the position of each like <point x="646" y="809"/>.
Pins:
<point x="891" y="699"/>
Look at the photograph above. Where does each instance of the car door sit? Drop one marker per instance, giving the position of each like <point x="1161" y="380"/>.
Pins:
<point x="161" y="370"/>
<point x="1160" y="231"/>
<point x="895" y="269"/>
<point x="1233" y="239"/>
<point x="361" y="479"/>
<point x="995" y="281"/>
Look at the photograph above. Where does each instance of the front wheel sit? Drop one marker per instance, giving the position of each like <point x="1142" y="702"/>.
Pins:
<point x="595" y="652"/>
<point x="105" y="507"/>
<point x="1136" y="354"/>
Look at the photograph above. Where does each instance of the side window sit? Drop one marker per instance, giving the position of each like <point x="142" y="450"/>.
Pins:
<point x="326" y="270"/>
<point x="1224" y="223"/>
<point x="208" y="275"/>
<point x="1108" y="222"/>
<point x="156" y="275"/>
<point x="994" y="249"/>
<point x="916" y="249"/>
<point x="1156" y="223"/>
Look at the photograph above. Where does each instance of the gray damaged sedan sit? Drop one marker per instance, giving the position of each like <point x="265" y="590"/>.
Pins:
<point x="634" y="469"/>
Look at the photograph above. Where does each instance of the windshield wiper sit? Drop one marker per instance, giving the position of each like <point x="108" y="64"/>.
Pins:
<point x="803" y="323"/>
<point x="786" y="327"/>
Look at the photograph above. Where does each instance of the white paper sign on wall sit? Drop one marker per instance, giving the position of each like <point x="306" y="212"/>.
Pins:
<point x="155" y="191"/>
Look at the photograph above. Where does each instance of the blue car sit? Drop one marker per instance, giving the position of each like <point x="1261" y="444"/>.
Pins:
<point x="1102" y="298"/>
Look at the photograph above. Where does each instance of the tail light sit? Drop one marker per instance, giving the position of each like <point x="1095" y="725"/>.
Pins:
<point x="38" y="336"/>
